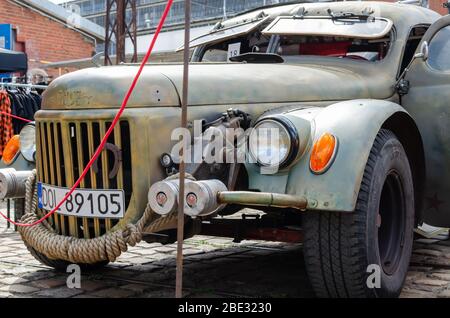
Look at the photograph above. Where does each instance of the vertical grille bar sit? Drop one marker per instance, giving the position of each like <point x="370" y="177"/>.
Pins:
<point x="126" y="161"/>
<point x="40" y="152"/>
<point x="118" y="143"/>
<point x="62" y="218"/>
<point x="43" y="153"/>
<point x="93" y="175"/>
<point x="80" y="169"/>
<point x="51" y="161"/>
<point x="66" y="136"/>
<point x="105" y="170"/>
<point x="46" y="164"/>
<point x="59" y="168"/>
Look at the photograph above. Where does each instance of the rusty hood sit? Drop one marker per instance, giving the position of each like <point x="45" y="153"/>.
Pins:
<point x="212" y="84"/>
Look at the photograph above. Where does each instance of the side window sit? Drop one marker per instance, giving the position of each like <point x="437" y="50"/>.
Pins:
<point x="411" y="45"/>
<point x="215" y="55"/>
<point x="218" y="52"/>
<point x="439" y="55"/>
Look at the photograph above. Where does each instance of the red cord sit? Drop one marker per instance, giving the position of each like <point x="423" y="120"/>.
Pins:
<point x="111" y="128"/>
<point x="16" y="117"/>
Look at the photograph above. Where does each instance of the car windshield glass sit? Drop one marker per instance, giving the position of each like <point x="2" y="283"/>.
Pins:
<point x="250" y="43"/>
<point x="220" y="34"/>
<point x="293" y="47"/>
<point x="327" y="26"/>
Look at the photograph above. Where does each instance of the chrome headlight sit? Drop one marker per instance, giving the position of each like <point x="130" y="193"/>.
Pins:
<point x="273" y="142"/>
<point x="28" y="142"/>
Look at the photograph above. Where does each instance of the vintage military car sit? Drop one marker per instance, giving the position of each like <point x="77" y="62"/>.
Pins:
<point x="355" y="96"/>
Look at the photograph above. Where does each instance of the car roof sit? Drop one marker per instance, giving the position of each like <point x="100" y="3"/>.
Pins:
<point x="403" y="15"/>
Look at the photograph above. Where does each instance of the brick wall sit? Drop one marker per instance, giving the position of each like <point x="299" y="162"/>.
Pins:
<point x="42" y="38"/>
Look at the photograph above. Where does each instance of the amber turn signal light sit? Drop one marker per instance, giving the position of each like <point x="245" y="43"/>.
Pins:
<point x="11" y="150"/>
<point x="323" y="153"/>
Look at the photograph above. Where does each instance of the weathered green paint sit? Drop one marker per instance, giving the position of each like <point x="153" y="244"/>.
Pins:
<point x="145" y="148"/>
<point x="312" y="79"/>
<point x="262" y="199"/>
<point x="105" y="87"/>
<point x="355" y="123"/>
<point x="428" y="103"/>
<point x="20" y="164"/>
<point x="351" y="99"/>
<point x="213" y="84"/>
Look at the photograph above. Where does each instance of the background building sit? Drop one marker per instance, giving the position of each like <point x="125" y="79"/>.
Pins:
<point x="46" y="33"/>
<point x="149" y="11"/>
<point x="205" y="13"/>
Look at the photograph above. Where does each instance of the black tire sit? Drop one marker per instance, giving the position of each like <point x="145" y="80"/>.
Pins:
<point x="61" y="265"/>
<point x="19" y="208"/>
<point x="339" y="247"/>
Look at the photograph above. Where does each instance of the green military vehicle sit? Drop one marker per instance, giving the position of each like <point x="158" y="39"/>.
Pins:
<point x="343" y="116"/>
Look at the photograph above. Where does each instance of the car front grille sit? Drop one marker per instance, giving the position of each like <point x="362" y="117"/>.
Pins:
<point x="63" y="151"/>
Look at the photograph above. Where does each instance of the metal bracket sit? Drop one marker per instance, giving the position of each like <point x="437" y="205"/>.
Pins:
<point x="117" y="160"/>
<point x="403" y="87"/>
<point x="301" y="12"/>
<point x="365" y="15"/>
<point x="243" y="225"/>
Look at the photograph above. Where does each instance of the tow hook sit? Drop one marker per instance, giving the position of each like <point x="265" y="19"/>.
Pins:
<point x="210" y="196"/>
<point x="12" y="183"/>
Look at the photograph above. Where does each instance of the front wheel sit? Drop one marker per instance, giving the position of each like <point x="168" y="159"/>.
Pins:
<point x="61" y="265"/>
<point x="366" y="253"/>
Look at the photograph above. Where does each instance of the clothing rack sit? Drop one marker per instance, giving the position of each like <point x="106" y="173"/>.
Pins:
<point x="6" y="84"/>
<point x="22" y="101"/>
<point x="28" y="87"/>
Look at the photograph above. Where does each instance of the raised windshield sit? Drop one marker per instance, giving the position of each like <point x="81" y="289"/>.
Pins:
<point x="220" y="33"/>
<point x="354" y="37"/>
<point x="351" y="27"/>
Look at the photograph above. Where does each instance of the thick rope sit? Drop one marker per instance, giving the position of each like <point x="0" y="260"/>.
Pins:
<point x="107" y="247"/>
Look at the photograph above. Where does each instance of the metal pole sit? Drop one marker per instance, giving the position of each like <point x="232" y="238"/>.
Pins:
<point x="184" y="103"/>
<point x="109" y="31"/>
<point x="8" y="212"/>
<point x="224" y="9"/>
<point x="120" y="34"/>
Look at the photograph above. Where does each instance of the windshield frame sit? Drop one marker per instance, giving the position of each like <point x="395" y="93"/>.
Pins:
<point x="252" y="24"/>
<point x="269" y="29"/>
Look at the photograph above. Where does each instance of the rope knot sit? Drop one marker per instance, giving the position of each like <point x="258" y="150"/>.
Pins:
<point x="108" y="247"/>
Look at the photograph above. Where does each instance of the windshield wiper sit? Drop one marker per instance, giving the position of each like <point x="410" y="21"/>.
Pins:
<point x="257" y="58"/>
<point x="349" y="15"/>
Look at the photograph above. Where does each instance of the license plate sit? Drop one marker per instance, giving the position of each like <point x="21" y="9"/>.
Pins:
<point x="90" y="203"/>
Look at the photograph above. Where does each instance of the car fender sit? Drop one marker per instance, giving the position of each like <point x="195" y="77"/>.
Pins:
<point x="355" y="124"/>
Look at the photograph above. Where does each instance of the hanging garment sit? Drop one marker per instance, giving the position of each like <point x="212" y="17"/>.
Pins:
<point x="6" y="126"/>
<point x="24" y="105"/>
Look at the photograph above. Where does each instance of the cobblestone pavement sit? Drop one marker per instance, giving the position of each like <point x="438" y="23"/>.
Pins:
<point x="214" y="267"/>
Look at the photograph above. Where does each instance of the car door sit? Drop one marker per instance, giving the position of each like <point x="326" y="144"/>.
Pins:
<point x="428" y="102"/>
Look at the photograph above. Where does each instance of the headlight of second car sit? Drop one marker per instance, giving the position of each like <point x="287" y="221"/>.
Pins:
<point x="28" y="142"/>
<point x="273" y="142"/>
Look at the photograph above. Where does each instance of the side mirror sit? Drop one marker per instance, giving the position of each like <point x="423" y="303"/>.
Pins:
<point x="424" y="51"/>
<point x="423" y="54"/>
